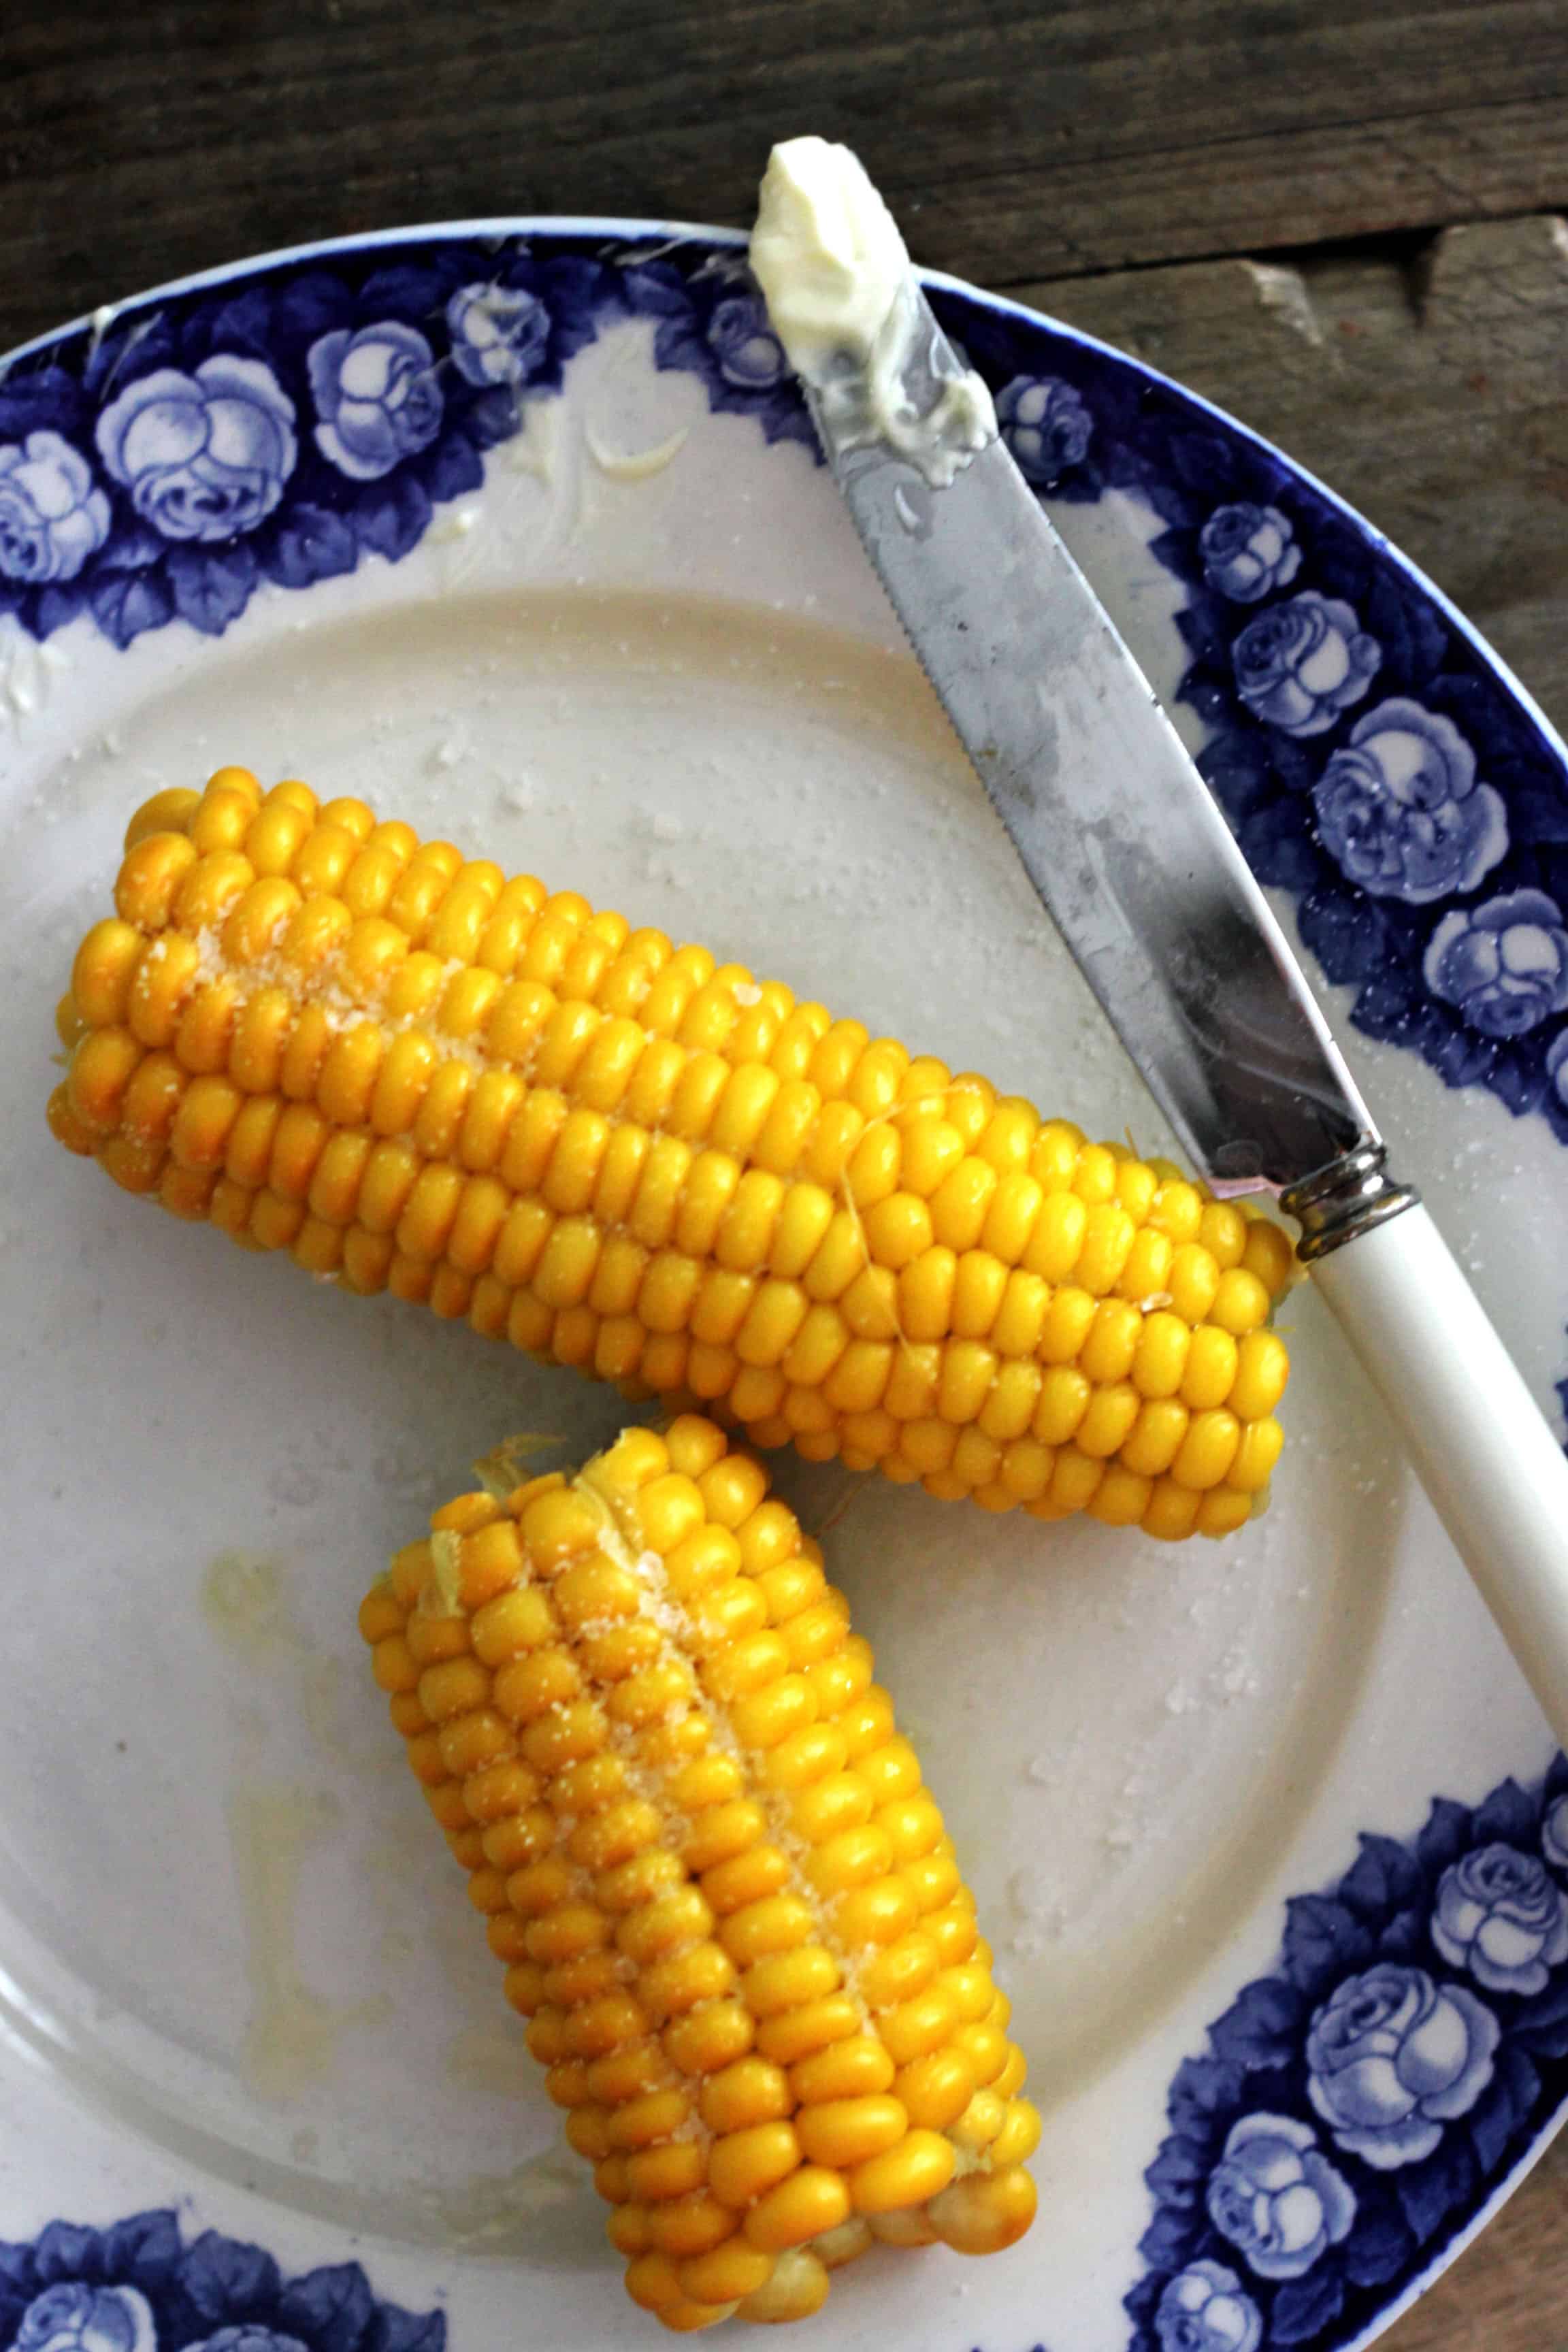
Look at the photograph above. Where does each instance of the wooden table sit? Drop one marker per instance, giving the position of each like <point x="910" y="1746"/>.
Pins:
<point x="1336" y="217"/>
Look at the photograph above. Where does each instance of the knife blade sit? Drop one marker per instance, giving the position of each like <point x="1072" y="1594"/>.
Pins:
<point x="1131" y="856"/>
<point x="1116" y="829"/>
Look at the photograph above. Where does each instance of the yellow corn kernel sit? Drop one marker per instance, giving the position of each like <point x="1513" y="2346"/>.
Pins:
<point x="708" y="2039"/>
<point x="1122" y="1496"/>
<point x="1108" y="1353"/>
<point x="1212" y="1366"/>
<point x="1178" y="1205"/>
<point x="1019" y="2136"/>
<point x="172" y="811"/>
<point x="935" y="2090"/>
<point x="1173" y="1508"/>
<point x="1222" y="1510"/>
<point x="685" y="2226"/>
<point x="652" y="2282"/>
<point x="1108" y="1421"/>
<point x="1160" y="1356"/>
<point x="1151" y="1445"/>
<point x="1268" y="1255"/>
<point x="790" y="1981"/>
<point x="918" y="2026"/>
<point x="917" y="2169"/>
<point x="1208" y="1449"/>
<point x="154" y="868"/>
<point x="1262" y="1370"/>
<point x="743" y="2165"/>
<point x="1193" y="1282"/>
<point x="107" y="963"/>
<point x="1258" y="1451"/>
<point x="985" y="2212"/>
<point x="753" y="2091"/>
<point x="811" y="2201"/>
<point x="839" y="2133"/>
<point x="1240" y="1302"/>
<point x="844" y="2070"/>
<point x="729" y="2273"/>
<point x="1223" y="1232"/>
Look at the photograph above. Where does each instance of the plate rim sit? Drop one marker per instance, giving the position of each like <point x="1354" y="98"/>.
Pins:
<point x="654" y="233"/>
<point x="628" y="228"/>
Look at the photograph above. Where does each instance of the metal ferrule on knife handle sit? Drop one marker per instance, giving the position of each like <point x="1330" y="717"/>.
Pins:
<point x="1344" y="1201"/>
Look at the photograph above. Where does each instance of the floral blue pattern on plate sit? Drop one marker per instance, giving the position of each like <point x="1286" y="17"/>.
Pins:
<point x="162" y="468"/>
<point x="1344" y="710"/>
<point x="137" y="2286"/>
<point x="163" y="464"/>
<point x="1400" y="808"/>
<point x="1045" y="424"/>
<point x="1356" y="2107"/>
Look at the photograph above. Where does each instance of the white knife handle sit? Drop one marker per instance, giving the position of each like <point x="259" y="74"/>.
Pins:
<point x="1496" y="1475"/>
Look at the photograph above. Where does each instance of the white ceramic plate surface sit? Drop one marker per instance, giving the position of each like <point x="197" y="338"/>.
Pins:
<point x="518" y="532"/>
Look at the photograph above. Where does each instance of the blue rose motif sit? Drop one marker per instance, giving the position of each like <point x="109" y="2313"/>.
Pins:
<point x="249" y="2339"/>
<point x="749" y="353"/>
<point x="205" y="2294"/>
<point x="498" y="334"/>
<point x="1557" y="1071"/>
<point x="52" y="514"/>
<point x="1249" y="551"/>
<point x="204" y="456"/>
<point x="74" y="2318"/>
<point x="1400" y="807"/>
<point x="1206" y="2308"/>
<point x="1391" y="2057"/>
<point x="376" y="397"/>
<point x="1301" y="664"/>
<point x="1277" y="2198"/>
<point x="1044" y="423"/>
<point x="1554" y="1827"/>
<point x="1499" y="1916"/>
<point x="1504" y="964"/>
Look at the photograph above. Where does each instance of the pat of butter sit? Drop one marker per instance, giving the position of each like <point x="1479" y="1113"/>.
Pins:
<point x="841" y="295"/>
<point x="827" y="255"/>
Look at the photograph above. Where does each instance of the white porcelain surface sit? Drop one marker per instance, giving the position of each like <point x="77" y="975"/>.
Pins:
<point x="237" y="1967"/>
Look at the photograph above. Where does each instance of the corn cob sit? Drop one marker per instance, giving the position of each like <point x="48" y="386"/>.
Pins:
<point x="726" y="1903"/>
<point x="416" y="1076"/>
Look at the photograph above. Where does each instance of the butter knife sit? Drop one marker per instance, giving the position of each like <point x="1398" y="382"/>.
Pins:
<point x="1133" y="860"/>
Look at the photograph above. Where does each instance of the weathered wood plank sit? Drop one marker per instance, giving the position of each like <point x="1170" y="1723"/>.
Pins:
<point x="1508" y="2293"/>
<point x="1432" y="393"/>
<point x="1020" y="142"/>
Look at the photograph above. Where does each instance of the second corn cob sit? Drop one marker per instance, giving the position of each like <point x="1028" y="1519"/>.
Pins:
<point x="416" y="1074"/>
<point x="727" y="1905"/>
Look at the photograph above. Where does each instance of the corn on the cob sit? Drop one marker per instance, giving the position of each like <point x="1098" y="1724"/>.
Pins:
<point x="414" y="1074"/>
<point x="726" y="1902"/>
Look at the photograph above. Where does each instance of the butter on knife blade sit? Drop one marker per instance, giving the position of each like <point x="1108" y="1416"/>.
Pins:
<point x="841" y="294"/>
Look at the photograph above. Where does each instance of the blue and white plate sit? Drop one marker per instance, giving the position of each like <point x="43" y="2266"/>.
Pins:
<point x="517" y="531"/>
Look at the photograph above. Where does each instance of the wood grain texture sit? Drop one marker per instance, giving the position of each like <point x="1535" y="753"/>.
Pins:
<point x="1071" y="152"/>
<point x="1018" y="140"/>
<point x="1509" y="2292"/>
